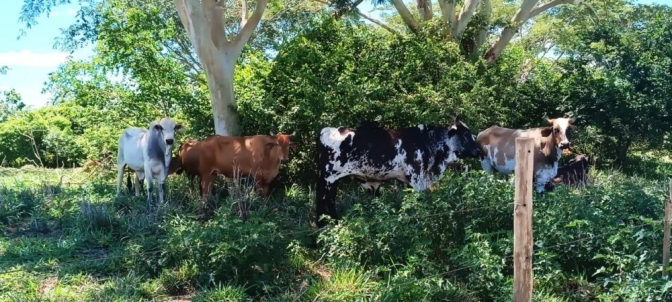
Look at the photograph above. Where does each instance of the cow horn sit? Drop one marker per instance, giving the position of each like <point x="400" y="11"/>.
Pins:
<point x="293" y="133"/>
<point x="272" y="133"/>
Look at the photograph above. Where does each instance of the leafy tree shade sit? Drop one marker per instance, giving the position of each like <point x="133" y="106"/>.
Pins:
<point x="10" y="100"/>
<point x="618" y="75"/>
<point x="10" y="104"/>
<point x="470" y="23"/>
<point x="340" y="72"/>
<point x="218" y="42"/>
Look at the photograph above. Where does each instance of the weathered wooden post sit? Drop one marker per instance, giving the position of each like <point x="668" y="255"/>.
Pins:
<point x="522" y="221"/>
<point x="666" y="232"/>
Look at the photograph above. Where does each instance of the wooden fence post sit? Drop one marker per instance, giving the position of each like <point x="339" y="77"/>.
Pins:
<point x="522" y="221"/>
<point x="666" y="232"/>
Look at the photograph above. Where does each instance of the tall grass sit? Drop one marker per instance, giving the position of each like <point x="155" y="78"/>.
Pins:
<point x="67" y="238"/>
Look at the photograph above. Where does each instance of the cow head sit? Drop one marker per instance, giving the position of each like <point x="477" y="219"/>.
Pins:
<point x="284" y="143"/>
<point x="462" y="141"/>
<point x="560" y="130"/>
<point x="175" y="165"/>
<point x="168" y="127"/>
<point x="582" y="159"/>
<point x="176" y="162"/>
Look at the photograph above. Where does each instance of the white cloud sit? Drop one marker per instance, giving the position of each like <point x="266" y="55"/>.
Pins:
<point x="28" y="58"/>
<point x="69" y="12"/>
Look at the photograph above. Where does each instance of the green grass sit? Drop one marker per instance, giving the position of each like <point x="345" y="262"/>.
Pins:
<point x="65" y="237"/>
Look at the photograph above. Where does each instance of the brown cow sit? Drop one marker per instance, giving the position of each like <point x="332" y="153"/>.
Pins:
<point x="258" y="156"/>
<point x="573" y="173"/>
<point x="498" y="149"/>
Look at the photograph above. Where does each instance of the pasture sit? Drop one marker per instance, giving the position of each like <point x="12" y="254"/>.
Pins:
<point x="66" y="238"/>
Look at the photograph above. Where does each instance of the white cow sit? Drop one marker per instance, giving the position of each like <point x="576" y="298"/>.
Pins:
<point x="148" y="153"/>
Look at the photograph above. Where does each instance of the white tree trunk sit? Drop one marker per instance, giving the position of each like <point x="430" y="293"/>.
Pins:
<point x="218" y="55"/>
<point x="219" y="72"/>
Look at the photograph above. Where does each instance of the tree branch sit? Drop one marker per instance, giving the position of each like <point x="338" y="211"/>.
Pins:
<point x="213" y="14"/>
<point x="448" y="14"/>
<point x="406" y="15"/>
<point x="466" y="13"/>
<point x="548" y="5"/>
<point x="381" y="24"/>
<point x="243" y="13"/>
<point x="486" y="10"/>
<point x="367" y="17"/>
<point x="507" y="34"/>
<point x="247" y="30"/>
<point x="424" y="9"/>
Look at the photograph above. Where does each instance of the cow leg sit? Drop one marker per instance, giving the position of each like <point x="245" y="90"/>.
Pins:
<point x="120" y="174"/>
<point x="326" y="198"/>
<point x="372" y="187"/>
<point x="139" y="179"/>
<point x="544" y="176"/>
<point x="150" y="183"/>
<point x="191" y="182"/>
<point x="262" y="187"/>
<point x="206" y="186"/>
<point x="162" y="190"/>
<point x="200" y="188"/>
<point x="486" y="163"/>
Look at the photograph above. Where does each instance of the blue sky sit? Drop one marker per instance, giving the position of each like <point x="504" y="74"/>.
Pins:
<point x="32" y="57"/>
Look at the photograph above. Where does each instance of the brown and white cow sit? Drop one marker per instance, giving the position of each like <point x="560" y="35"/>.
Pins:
<point x="258" y="156"/>
<point x="574" y="172"/>
<point x="498" y="149"/>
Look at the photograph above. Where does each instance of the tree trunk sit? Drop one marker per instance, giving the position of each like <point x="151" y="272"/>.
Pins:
<point x="218" y="55"/>
<point x="219" y="72"/>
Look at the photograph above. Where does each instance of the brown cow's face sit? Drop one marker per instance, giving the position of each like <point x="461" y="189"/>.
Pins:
<point x="561" y="131"/>
<point x="176" y="162"/>
<point x="284" y="144"/>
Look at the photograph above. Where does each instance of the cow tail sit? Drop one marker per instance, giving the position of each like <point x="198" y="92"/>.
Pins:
<point x="129" y="184"/>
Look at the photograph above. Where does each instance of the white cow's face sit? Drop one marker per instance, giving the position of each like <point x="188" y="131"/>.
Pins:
<point x="168" y="127"/>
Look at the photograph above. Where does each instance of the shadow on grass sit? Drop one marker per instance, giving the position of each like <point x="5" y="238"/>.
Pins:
<point x="84" y="230"/>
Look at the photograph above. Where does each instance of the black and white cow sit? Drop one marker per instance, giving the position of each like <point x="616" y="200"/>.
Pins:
<point x="416" y="156"/>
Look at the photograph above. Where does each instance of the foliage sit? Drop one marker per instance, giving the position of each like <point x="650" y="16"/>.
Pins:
<point x="56" y="136"/>
<point x="75" y="243"/>
<point x="618" y="78"/>
<point x="338" y="73"/>
<point x="66" y="238"/>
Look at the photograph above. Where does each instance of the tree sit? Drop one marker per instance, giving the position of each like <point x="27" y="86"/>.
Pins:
<point x="217" y="40"/>
<point x="618" y="77"/>
<point x="471" y="26"/>
<point x="10" y="101"/>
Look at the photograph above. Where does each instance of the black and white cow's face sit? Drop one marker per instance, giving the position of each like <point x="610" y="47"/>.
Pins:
<point x="462" y="141"/>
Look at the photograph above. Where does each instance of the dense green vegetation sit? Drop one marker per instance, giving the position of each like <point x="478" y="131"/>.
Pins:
<point x="66" y="237"/>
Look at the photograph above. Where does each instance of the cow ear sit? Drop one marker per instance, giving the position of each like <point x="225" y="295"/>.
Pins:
<point x="158" y="127"/>
<point x="292" y="144"/>
<point x="546" y="131"/>
<point x="179" y="128"/>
